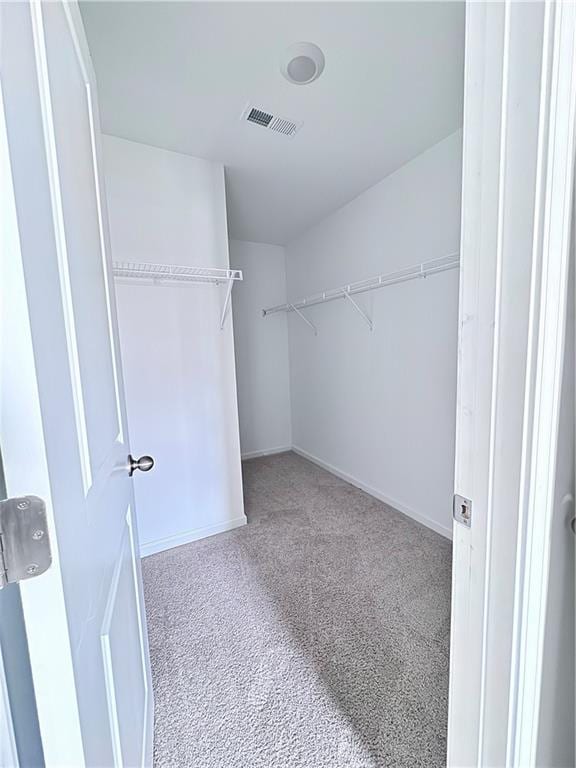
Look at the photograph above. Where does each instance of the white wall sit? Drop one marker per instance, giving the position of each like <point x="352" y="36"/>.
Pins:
<point x="380" y="407"/>
<point x="261" y="349"/>
<point x="178" y="365"/>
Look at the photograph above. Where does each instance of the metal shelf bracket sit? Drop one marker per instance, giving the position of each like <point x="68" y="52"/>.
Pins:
<point x="358" y="308"/>
<point x="311" y="325"/>
<point x="226" y="303"/>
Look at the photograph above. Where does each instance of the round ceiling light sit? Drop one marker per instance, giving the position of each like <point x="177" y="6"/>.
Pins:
<point x="302" y="63"/>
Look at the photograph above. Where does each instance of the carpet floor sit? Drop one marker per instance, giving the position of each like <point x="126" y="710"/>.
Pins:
<point x="316" y="636"/>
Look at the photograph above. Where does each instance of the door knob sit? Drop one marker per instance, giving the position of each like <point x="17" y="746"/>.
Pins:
<point x="144" y="464"/>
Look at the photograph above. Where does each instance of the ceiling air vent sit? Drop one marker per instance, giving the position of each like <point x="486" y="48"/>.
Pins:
<point x="269" y="121"/>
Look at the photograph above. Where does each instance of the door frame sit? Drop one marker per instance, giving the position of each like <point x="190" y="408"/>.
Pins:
<point x="555" y="214"/>
<point x="8" y="750"/>
<point x="513" y="290"/>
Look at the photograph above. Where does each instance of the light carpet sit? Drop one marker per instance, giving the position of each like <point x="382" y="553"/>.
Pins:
<point x="315" y="636"/>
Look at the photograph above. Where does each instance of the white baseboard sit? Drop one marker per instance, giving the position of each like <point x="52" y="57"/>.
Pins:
<point x="152" y="547"/>
<point x="441" y="529"/>
<point x="268" y="452"/>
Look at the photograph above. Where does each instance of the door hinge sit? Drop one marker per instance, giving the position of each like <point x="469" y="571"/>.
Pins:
<point x="462" y="510"/>
<point x="24" y="541"/>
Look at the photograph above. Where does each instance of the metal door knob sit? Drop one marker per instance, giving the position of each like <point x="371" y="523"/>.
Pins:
<point x="144" y="464"/>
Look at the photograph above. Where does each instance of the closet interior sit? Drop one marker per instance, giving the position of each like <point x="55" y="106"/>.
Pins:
<point x="283" y="184"/>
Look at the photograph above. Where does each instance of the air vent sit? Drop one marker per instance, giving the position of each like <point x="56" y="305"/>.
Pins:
<point x="259" y="117"/>
<point x="269" y="121"/>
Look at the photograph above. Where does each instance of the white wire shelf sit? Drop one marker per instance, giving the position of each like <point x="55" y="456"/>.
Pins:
<point x="174" y="273"/>
<point x="417" y="271"/>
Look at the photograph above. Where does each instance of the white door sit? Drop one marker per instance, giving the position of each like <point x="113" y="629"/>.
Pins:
<point x="62" y="413"/>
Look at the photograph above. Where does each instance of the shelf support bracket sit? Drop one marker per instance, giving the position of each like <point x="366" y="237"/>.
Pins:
<point x="359" y="309"/>
<point x="311" y="325"/>
<point x="226" y="302"/>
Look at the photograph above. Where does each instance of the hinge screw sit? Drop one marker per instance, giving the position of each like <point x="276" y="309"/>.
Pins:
<point x="37" y="535"/>
<point x="31" y="570"/>
<point x="24" y="504"/>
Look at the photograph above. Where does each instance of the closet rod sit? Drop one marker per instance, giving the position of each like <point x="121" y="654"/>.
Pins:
<point x="424" y="269"/>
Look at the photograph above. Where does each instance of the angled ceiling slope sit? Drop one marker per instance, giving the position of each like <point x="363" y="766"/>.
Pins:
<point x="180" y="75"/>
